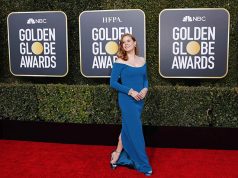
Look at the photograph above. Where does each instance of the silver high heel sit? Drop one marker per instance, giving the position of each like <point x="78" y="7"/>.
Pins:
<point x="113" y="165"/>
<point x="149" y="173"/>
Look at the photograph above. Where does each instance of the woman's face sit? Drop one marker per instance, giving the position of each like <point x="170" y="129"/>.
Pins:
<point x="128" y="44"/>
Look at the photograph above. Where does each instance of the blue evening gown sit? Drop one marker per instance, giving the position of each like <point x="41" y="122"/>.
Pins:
<point x="133" y="153"/>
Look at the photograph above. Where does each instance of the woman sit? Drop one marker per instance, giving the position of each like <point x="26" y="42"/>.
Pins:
<point x="131" y="69"/>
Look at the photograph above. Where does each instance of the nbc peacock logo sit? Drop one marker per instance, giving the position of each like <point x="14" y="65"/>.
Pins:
<point x="36" y="21"/>
<point x="188" y="18"/>
<point x="31" y="21"/>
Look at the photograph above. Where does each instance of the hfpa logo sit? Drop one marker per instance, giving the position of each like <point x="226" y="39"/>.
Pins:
<point x="194" y="19"/>
<point x="34" y="21"/>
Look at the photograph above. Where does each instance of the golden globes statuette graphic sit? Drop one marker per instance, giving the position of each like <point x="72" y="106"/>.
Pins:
<point x="193" y="43"/>
<point x="193" y="47"/>
<point x="111" y="47"/>
<point x="38" y="43"/>
<point x="99" y="35"/>
<point x="37" y="48"/>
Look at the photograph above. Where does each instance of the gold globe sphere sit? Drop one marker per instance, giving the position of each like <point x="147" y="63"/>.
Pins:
<point x="111" y="47"/>
<point x="193" y="47"/>
<point x="37" y="48"/>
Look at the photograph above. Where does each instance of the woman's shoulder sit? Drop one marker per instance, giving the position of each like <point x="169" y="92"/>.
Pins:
<point x="142" y="59"/>
<point x="120" y="61"/>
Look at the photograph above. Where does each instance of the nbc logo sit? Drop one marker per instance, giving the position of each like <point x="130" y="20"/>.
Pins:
<point x="34" y="21"/>
<point x="31" y="21"/>
<point x="187" y="19"/>
<point x="192" y="19"/>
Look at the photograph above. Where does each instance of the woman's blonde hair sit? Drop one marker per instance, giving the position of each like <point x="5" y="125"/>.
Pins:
<point x="121" y="52"/>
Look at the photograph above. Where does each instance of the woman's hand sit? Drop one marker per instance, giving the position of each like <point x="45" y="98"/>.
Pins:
<point x="134" y="94"/>
<point x="142" y="93"/>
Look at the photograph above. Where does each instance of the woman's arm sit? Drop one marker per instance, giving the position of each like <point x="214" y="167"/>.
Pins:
<point x="116" y="71"/>
<point x="146" y="83"/>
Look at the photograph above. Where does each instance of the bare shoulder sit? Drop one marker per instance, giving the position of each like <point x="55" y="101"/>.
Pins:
<point x="142" y="60"/>
<point x="119" y="60"/>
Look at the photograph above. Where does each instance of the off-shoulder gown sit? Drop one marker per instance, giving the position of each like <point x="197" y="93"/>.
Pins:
<point x="133" y="153"/>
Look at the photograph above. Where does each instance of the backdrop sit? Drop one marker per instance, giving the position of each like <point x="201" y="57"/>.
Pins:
<point x="76" y="99"/>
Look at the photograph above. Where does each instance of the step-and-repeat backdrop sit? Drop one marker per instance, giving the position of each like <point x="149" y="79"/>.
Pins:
<point x="193" y="43"/>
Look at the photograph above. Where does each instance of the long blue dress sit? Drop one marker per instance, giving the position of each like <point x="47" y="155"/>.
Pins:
<point x="133" y="153"/>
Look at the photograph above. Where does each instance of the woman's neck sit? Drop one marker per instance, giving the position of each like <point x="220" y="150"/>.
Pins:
<point x="131" y="56"/>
